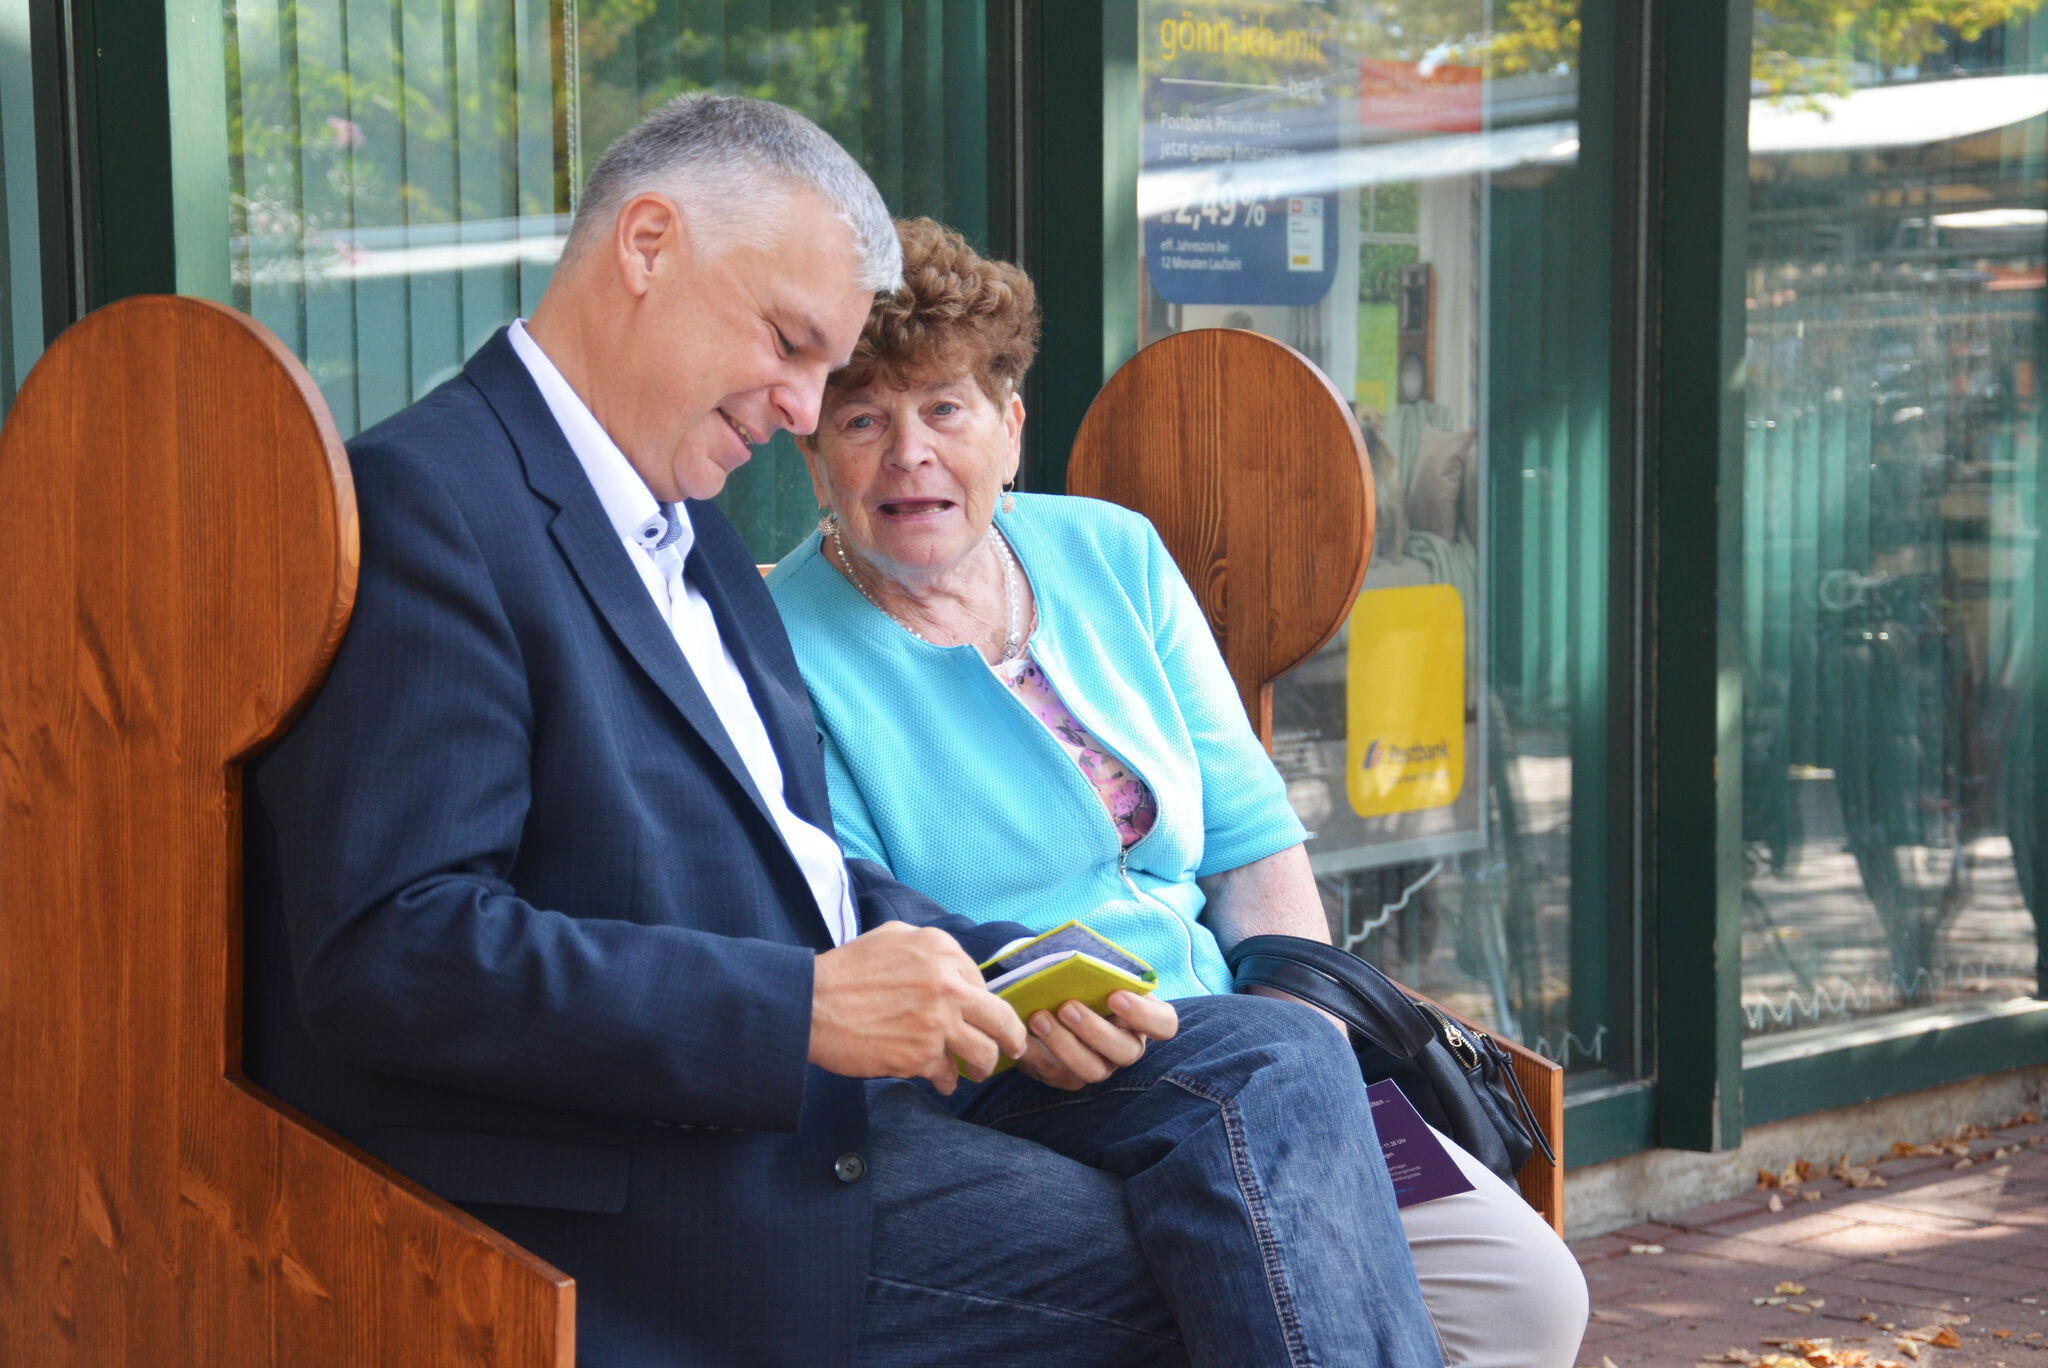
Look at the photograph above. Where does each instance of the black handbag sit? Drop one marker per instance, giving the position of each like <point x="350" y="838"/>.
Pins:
<point x="1458" y="1078"/>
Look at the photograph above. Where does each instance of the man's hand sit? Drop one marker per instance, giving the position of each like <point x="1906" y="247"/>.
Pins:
<point x="1077" y="1047"/>
<point x="904" y="1001"/>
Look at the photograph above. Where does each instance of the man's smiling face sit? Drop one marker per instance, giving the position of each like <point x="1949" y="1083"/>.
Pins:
<point x="724" y="350"/>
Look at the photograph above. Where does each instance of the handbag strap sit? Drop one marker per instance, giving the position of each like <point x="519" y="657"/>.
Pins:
<point x="1338" y="982"/>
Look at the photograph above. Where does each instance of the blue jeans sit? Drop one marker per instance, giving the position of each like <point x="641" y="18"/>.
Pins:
<point x="1221" y="1202"/>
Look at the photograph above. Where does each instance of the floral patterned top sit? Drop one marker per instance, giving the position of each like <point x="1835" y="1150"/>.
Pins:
<point x="1132" y="808"/>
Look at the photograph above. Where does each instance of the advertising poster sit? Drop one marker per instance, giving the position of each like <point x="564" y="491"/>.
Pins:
<point x="1236" y="105"/>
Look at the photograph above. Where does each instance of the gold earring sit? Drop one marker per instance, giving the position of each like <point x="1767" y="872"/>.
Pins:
<point x="1009" y="499"/>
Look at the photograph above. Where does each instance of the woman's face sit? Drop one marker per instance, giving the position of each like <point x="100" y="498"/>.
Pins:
<point x="914" y="473"/>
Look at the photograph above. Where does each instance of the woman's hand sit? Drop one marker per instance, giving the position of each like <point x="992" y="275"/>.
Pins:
<point x="1077" y="1047"/>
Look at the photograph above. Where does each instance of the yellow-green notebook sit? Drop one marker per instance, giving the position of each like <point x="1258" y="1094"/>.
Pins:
<point x="1069" y="963"/>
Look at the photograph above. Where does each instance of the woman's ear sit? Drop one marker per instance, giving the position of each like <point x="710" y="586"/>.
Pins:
<point x="1013" y="428"/>
<point x="813" y="462"/>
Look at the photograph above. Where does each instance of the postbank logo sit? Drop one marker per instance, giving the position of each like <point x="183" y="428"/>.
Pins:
<point x="1405" y="700"/>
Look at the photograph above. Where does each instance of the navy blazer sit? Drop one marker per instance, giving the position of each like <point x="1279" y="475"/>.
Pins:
<point x="519" y="923"/>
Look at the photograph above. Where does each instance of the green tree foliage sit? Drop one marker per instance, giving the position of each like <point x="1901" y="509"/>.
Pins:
<point x="1798" y="47"/>
<point x="330" y="119"/>
<point x="1810" y="47"/>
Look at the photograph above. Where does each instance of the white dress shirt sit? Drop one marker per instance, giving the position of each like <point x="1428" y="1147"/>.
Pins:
<point x="637" y="517"/>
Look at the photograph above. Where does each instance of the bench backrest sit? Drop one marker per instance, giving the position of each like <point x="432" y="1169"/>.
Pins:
<point x="1253" y="469"/>
<point x="178" y="542"/>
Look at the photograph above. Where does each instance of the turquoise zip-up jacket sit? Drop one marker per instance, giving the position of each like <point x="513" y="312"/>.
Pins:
<point x="938" y="771"/>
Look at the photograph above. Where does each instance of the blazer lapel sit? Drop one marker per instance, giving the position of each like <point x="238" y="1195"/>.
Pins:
<point x="752" y="630"/>
<point x="591" y="546"/>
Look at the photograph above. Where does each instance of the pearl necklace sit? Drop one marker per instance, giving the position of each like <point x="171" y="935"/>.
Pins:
<point x="1013" y="639"/>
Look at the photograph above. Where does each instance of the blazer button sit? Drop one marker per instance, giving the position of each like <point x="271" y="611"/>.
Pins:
<point x="848" y="1168"/>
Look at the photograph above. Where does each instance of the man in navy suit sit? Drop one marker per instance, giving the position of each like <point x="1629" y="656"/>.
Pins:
<point x="545" y="911"/>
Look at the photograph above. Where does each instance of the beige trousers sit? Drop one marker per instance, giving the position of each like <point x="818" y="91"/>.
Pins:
<point x="1500" y="1285"/>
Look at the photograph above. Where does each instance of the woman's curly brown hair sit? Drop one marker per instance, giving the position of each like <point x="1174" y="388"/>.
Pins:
<point x="957" y="313"/>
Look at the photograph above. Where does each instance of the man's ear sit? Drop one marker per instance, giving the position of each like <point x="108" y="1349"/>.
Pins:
<point x="649" y="236"/>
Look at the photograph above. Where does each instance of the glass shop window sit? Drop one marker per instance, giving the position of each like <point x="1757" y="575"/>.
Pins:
<point x="1898" y="233"/>
<point x="1411" y="195"/>
<point x="21" y="284"/>
<point x="403" y="171"/>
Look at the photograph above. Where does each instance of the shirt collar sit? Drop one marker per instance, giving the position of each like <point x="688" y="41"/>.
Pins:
<point x="628" y="503"/>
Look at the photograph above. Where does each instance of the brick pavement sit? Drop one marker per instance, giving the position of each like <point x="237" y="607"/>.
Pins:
<point x="1870" y="1274"/>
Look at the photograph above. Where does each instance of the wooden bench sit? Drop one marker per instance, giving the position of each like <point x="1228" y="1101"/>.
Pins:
<point x="178" y="537"/>
<point x="178" y="541"/>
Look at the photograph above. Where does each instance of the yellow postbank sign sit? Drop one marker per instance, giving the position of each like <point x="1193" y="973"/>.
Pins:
<point x="1405" y="710"/>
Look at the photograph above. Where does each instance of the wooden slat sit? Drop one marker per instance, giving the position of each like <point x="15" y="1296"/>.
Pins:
<point x="1252" y="467"/>
<point x="178" y="538"/>
<point x="1543" y="1083"/>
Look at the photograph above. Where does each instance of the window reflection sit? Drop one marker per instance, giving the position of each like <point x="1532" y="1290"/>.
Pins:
<point x="403" y="170"/>
<point x="21" y="293"/>
<point x="1403" y="193"/>
<point x="1897" y="241"/>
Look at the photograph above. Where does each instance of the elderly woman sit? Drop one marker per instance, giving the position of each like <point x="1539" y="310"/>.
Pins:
<point x="1026" y="718"/>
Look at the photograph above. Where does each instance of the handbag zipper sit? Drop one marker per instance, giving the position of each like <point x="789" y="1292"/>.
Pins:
<point x="1467" y="1054"/>
<point x="1463" y="1050"/>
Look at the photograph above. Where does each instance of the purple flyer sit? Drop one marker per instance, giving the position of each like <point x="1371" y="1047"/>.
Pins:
<point x="1422" y="1169"/>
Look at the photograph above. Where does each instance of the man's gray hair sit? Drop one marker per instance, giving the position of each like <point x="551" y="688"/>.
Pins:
<point x="728" y="162"/>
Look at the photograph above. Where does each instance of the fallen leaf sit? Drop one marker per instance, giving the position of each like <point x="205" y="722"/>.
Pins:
<point x="1766" y="1179"/>
<point x="1789" y="1289"/>
<point x="1961" y="1164"/>
<point x="1606" y="1362"/>
<point x="1809" y="1195"/>
<point x="1646" y="1249"/>
<point x="1868" y="1318"/>
<point x="1800" y="1308"/>
<point x="1816" y="1302"/>
<point x="2029" y="1117"/>
<point x="1946" y="1338"/>
<point x="1908" y="1348"/>
<point x="1902" y="1150"/>
<point x="1776" y="1203"/>
<point x="2001" y="1334"/>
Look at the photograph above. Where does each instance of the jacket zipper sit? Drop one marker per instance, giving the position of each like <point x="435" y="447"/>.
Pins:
<point x="1123" y="852"/>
